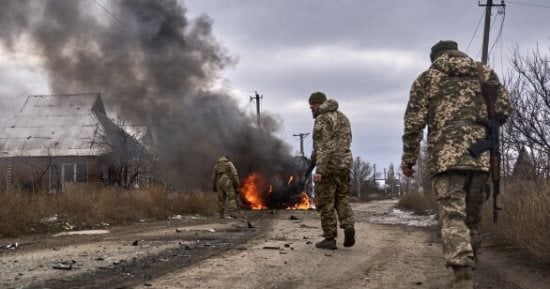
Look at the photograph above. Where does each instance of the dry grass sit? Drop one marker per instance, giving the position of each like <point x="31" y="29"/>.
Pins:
<point x="419" y="202"/>
<point x="524" y="222"/>
<point x="90" y="206"/>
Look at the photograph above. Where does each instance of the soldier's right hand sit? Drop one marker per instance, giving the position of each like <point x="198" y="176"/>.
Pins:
<point x="408" y="171"/>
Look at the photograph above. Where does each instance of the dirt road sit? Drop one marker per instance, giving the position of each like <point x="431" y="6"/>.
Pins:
<point x="276" y="250"/>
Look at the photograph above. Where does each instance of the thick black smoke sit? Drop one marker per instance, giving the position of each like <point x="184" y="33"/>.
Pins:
<point x="153" y="66"/>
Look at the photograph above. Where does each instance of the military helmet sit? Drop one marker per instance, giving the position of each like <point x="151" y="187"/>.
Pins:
<point x="317" y="97"/>
<point x="441" y="46"/>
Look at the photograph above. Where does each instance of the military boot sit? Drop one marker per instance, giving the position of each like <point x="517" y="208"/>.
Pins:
<point x="349" y="236"/>
<point x="329" y="244"/>
<point x="463" y="277"/>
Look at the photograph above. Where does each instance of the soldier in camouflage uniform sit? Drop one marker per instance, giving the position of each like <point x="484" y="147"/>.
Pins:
<point x="225" y="181"/>
<point x="332" y="157"/>
<point x="447" y="98"/>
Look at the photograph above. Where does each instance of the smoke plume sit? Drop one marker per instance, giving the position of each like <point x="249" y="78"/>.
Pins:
<point x="153" y="66"/>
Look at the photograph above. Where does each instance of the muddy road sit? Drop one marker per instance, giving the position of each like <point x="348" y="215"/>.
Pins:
<point x="275" y="249"/>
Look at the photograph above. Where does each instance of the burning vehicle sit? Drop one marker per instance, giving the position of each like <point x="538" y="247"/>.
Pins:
<point x="289" y="188"/>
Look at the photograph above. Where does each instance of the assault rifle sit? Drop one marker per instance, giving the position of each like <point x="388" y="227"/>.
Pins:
<point x="307" y="174"/>
<point x="491" y="142"/>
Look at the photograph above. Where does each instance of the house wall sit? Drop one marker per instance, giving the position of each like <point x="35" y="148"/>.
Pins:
<point x="46" y="173"/>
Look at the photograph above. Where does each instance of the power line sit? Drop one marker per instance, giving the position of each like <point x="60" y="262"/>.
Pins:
<point x="245" y="107"/>
<point x="114" y="16"/>
<point x="529" y="4"/>
<point x="492" y="28"/>
<point x="499" y="31"/>
<point x="475" y="31"/>
<point x="487" y="28"/>
<point x="235" y="88"/>
<point x="501" y="58"/>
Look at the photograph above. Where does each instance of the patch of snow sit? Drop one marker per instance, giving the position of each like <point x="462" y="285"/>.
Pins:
<point x="398" y="216"/>
<point x="84" y="232"/>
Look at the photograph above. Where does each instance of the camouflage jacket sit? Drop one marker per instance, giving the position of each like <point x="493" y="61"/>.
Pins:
<point x="447" y="98"/>
<point x="224" y="167"/>
<point x="331" y="139"/>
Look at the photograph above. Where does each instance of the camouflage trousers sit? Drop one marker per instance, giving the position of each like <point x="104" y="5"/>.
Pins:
<point x="460" y="195"/>
<point x="332" y="200"/>
<point x="227" y="198"/>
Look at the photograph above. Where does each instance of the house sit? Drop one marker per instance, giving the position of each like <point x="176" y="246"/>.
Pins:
<point x="56" y="140"/>
<point x="524" y="169"/>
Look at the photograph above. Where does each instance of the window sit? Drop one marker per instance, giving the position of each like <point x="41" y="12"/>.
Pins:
<point x="75" y="173"/>
<point x="68" y="172"/>
<point x="81" y="173"/>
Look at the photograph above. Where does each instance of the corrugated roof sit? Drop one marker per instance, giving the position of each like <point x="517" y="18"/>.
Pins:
<point x="54" y="125"/>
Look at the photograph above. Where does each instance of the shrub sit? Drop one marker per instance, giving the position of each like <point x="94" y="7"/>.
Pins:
<point x="419" y="202"/>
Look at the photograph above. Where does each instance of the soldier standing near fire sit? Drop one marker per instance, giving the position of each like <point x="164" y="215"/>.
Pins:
<point x="225" y="181"/>
<point x="332" y="158"/>
<point x="448" y="99"/>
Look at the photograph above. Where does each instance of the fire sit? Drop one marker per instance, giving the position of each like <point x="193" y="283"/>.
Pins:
<point x="259" y="192"/>
<point x="251" y="191"/>
<point x="304" y="203"/>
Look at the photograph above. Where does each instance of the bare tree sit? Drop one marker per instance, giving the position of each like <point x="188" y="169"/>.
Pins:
<point x="529" y="126"/>
<point x="361" y="175"/>
<point x="125" y="153"/>
<point x="391" y="180"/>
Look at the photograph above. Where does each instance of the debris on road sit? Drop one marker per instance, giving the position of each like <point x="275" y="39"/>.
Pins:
<point x="12" y="246"/>
<point x="64" y="265"/>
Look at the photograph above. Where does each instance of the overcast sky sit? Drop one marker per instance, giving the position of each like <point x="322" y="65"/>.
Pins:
<point x="364" y="54"/>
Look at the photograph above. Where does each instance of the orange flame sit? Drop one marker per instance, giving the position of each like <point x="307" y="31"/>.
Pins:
<point x="304" y="203"/>
<point x="255" y="189"/>
<point x="251" y="190"/>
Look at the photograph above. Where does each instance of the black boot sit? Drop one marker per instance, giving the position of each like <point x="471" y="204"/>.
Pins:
<point x="349" y="236"/>
<point x="329" y="244"/>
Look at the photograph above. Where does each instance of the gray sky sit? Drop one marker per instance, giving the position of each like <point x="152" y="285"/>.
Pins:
<point x="365" y="54"/>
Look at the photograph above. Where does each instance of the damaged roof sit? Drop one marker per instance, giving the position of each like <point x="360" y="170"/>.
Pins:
<point x="55" y="125"/>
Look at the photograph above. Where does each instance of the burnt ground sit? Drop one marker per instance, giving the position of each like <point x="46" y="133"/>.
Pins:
<point x="124" y="257"/>
<point x="277" y="253"/>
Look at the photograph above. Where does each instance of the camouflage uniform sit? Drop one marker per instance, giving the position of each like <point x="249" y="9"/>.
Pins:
<point x="447" y="98"/>
<point x="225" y="181"/>
<point x="332" y="157"/>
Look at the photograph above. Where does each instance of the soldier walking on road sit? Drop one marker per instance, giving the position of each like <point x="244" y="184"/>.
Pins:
<point x="225" y="181"/>
<point x="448" y="99"/>
<point x="332" y="157"/>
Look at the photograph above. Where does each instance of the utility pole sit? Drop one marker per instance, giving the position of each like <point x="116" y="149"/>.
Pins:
<point x="302" y="136"/>
<point x="385" y="181"/>
<point x="257" y="98"/>
<point x="487" y="28"/>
